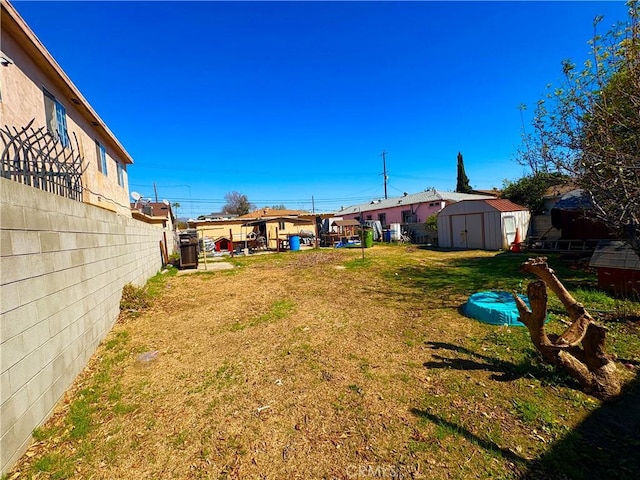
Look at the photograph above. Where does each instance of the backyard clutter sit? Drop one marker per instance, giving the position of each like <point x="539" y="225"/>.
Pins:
<point x="323" y="364"/>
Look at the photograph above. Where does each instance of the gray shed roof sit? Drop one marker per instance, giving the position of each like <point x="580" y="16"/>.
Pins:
<point x="412" y="199"/>
<point x="615" y="254"/>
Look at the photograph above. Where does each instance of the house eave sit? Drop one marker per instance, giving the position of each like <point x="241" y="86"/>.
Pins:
<point x="147" y="219"/>
<point x="15" y="26"/>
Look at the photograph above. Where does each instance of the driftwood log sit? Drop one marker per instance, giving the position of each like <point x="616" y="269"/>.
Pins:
<point x="580" y="350"/>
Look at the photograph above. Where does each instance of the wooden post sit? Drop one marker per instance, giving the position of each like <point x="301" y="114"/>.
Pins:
<point x="163" y="254"/>
<point x="277" y="241"/>
<point x="231" y="241"/>
<point x="166" y="247"/>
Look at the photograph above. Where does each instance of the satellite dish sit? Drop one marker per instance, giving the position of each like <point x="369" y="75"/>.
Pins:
<point x="136" y="196"/>
<point x="166" y="202"/>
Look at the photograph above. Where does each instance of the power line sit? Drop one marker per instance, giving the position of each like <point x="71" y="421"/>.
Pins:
<point x="272" y="201"/>
<point x="205" y="204"/>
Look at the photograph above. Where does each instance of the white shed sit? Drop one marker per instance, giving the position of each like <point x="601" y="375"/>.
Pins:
<point x="482" y="224"/>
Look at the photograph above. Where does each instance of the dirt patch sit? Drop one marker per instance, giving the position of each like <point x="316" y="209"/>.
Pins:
<point x="208" y="267"/>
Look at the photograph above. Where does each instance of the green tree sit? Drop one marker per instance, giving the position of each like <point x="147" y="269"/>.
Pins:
<point x="462" y="185"/>
<point x="529" y="191"/>
<point x="589" y="127"/>
<point x="431" y="223"/>
<point x="176" y="206"/>
<point x="237" y="204"/>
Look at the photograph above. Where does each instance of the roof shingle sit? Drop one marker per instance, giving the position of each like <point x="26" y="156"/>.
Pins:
<point x="615" y="254"/>
<point x="411" y="199"/>
<point x="504" y="205"/>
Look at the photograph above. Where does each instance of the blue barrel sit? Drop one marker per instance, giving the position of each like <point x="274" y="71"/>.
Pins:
<point x="294" y="242"/>
<point x="387" y="235"/>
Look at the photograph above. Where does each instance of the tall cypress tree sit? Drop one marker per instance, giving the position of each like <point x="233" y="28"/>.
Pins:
<point x="462" y="185"/>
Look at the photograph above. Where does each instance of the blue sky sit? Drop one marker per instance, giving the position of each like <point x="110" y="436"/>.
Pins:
<point x="285" y="101"/>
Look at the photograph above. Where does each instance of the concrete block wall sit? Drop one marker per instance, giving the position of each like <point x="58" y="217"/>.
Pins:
<point x="62" y="268"/>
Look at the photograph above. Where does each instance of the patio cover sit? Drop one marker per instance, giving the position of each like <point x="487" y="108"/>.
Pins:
<point x="346" y="223"/>
<point x="294" y="220"/>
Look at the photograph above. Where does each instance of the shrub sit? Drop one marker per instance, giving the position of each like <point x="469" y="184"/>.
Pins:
<point x="134" y="298"/>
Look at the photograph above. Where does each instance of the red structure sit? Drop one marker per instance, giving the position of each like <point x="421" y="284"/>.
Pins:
<point x="223" y="243"/>
<point x="618" y="267"/>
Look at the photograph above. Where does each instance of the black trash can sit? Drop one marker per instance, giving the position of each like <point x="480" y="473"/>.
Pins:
<point x="189" y="249"/>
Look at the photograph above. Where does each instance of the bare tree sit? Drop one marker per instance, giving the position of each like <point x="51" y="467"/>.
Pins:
<point x="237" y="204"/>
<point x="589" y="127"/>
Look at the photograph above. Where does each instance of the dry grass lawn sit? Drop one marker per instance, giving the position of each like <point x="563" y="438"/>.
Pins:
<point x="313" y="365"/>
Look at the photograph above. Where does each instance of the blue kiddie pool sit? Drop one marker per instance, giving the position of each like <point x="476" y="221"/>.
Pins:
<point x="494" y="307"/>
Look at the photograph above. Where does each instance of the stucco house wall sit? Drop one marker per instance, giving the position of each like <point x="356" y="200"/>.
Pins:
<point x="291" y="227"/>
<point x="420" y="211"/>
<point x="29" y="71"/>
<point x="219" y="228"/>
<point x="394" y="214"/>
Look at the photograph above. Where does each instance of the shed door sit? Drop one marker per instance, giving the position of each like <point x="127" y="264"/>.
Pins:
<point x="467" y="231"/>
<point x="458" y="231"/>
<point x="510" y="229"/>
<point x="475" y="234"/>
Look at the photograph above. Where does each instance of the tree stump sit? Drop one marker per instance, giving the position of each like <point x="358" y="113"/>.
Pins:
<point x="580" y="350"/>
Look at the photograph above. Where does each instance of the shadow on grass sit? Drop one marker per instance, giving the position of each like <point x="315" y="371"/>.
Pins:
<point x="503" y="371"/>
<point x="606" y="445"/>
<point x="471" y="437"/>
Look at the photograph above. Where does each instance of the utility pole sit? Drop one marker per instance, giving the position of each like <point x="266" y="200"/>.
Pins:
<point x="384" y="172"/>
<point x="313" y="211"/>
<point x="155" y="189"/>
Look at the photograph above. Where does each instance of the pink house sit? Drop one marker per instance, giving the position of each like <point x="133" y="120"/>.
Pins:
<point x="414" y="208"/>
